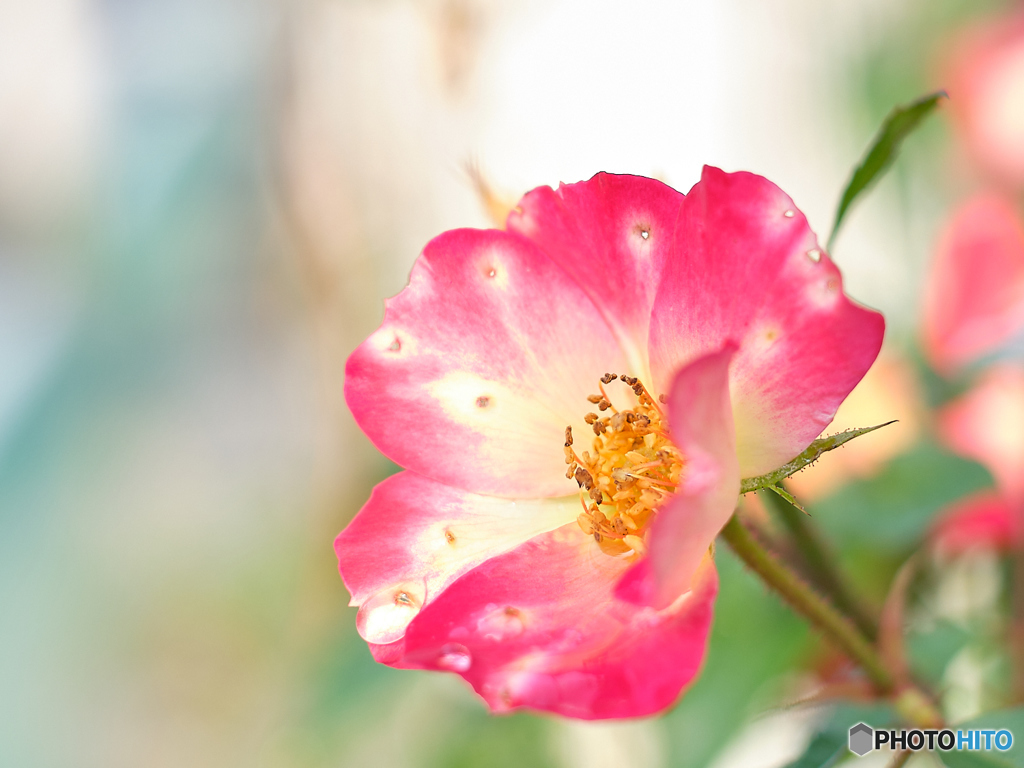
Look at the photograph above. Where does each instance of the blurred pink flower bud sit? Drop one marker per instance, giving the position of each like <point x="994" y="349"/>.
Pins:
<point x="983" y="520"/>
<point x="985" y="81"/>
<point x="974" y="297"/>
<point x="987" y="425"/>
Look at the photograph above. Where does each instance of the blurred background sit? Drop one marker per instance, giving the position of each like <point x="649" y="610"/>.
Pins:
<point x="203" y="204"/>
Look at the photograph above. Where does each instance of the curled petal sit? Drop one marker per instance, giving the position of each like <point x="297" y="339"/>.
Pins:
<point x="480" y="364"/>
<point x="982" y="520"/>
<point x="415" y="536"/>
<point x="987" y="425"/>
<point x="974" y="299"/>
<point x="748" y="268"/>
<point x="701" y="419"/>
<point x="540" y="627"/>
<point x="611" y="233"/>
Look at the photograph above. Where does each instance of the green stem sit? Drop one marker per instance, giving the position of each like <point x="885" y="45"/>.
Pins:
<point x="909" y="700"/>
<point x="821" y="568"/>
<point x="807" y="602"/>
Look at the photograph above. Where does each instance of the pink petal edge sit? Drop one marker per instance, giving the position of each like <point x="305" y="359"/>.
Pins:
<point x="415" y="536"/>
<point x="540" y="627"/>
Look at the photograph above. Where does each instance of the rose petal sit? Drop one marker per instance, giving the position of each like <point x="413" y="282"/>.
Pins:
<point x="974" y="299"/>
<point x="701" y="419"/>
<point x="748" y="268"/>
<point x="416" y="536"/>
<point x="984" y="519"/>
<point x="987" y="425"/>
<point x="480" y="364"/>
<point x="612" y="234"/>
<point x="539" y="627"/>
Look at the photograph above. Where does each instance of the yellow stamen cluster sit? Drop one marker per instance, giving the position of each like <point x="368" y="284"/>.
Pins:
<point x="633" y="469"/>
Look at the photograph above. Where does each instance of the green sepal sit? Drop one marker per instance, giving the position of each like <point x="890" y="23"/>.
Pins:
<point x="814" y="451"/>
<point x="778" y="489"/>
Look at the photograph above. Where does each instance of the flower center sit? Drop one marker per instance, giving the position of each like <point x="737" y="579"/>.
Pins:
<point x="632" y="470"/>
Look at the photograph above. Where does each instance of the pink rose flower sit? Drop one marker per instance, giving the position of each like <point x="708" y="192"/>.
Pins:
<point x="974" y="298"/>
<point x="549" y="538"/>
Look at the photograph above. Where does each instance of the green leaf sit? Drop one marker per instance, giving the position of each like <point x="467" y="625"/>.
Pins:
<point x="891" y="510"/>
<point x="824" y="751"/>
<point x="958" y="759"/>
<point x="900" y="123"/>
<point x="1010" y="719"/>
<point x="931" y="651"/>
<point x="829" y="745"/>
<point x="780" y="491"/>
<point x="809" y="456"/>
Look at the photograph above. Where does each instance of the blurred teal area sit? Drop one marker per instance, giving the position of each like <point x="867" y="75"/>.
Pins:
<point x="203" y="205"/>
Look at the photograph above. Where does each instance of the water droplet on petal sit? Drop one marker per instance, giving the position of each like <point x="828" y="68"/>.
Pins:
<point x="814" y="255"/>
<point x="645" y="233"/>
<point x="383" y="618"/>
<point x="789" y="214"/>
<point x="455" y="657"/>
<point x="492" y="272"/>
